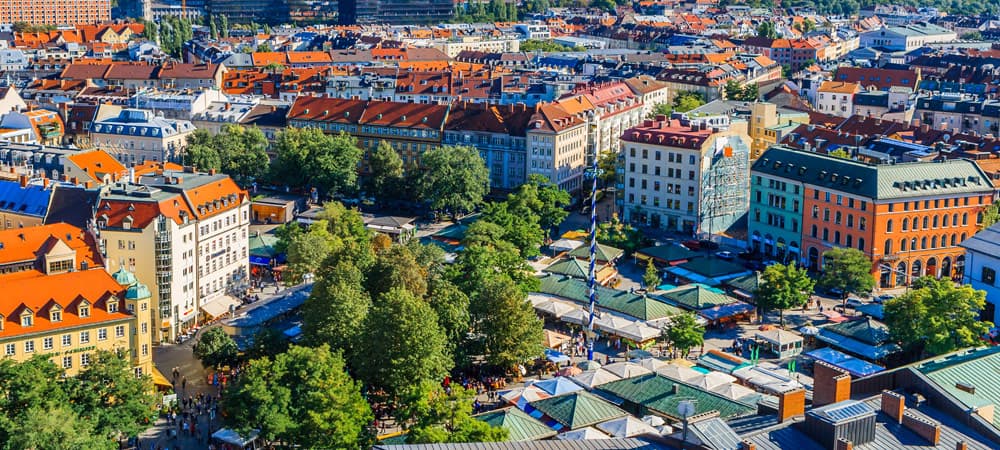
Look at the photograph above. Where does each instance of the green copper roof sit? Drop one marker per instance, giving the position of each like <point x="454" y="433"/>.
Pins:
<point x="869" y="331"/>
<point x="263" y="245"/>
<point x="712" y="267"/>
<point x="635" y="305"/>
<point x="978" y="367"/>
<point x="697" y="297"/>
<point x="124" y="277"/>
<point x="603" y="253"/>
<point x="657" y="393"/>
<point x="137" y="291"/>
<point x="520" y="426"/>
<point x="747" y="283"/>
<point x="578" y="410"/>
<point x="571" y="267"/>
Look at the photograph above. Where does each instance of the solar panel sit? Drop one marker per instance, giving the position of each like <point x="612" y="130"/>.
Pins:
<point x="853" y="410"/>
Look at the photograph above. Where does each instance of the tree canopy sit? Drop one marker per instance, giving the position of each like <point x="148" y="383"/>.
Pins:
<point x="453" y="179"/>
<point x="847" y="269"/>
<point x="685" y="101"/>
<point x="684" y="333"/>
<point x="783" y="286"/>
<point x="216" y="348"/>
<point x="309" y="158"/>
<point x="505" y="322"/>
<point x="237" y="151"/>
<point x="445" y="417"/>
<point x="386" y="173"/>
<point x="937" y="316"/>
<point x="651" y="277"/>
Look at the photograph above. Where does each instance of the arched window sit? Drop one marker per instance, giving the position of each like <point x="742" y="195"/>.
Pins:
<point x="963" y="238"/>
<point x="861" y="245"/>
<point x="826" y="214"/>
<point x="906" y="224"/>
<point x="849" y="241"/>
<point x="815" y="212"/>
<point x="902" y="245"/>
<point x="888" y="226"/>
<point x="944" y="220"/>
<point x="814" y="231"/>
<point x="826" y="235"/>
<point x="861" y="223"/>
<point x="836" y="237"/>
<point x="913" y="244"/>
<point x="837" y="217"/>
<point x="979" y="217"/>
<point x="954" y="220"/>
<point x="965" y="220"/>
<point x="935" y="223"/>
<point x="933" y="241"/>
<point x="923" y="243"/>
<point x="925" y="222"/>
<point x="888" y="247"/>
<point x="916" y="223"/>
<point x="953" y="238"/>
<point x="850" y="221"/>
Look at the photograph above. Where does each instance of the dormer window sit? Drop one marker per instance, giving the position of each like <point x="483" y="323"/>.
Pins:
<point x="27" y="318"/>
<point x="55" y="315"/>
<point x="112" y="305"/>
<point x="83" y="310"/>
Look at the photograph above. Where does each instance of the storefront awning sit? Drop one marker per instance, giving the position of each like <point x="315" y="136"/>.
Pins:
<point x="260" y="260"/>
<point x="160" y="380"/>
<point x="219" y="306"/>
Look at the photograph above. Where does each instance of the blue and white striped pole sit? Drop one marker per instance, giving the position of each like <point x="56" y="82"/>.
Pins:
<point x="593" y="259"/>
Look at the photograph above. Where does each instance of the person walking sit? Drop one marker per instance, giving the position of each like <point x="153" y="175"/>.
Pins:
<point x="184" y="382"/>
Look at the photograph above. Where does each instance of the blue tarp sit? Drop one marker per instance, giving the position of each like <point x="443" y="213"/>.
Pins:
<point x="556" y="357"/>
<point x="722" y="311"/>
<point x="558" y="386"/>
<point x="293" y="331"/>
<point x="851" y="345"/>
<point x="266" y="312"/>
<point x="856" y="367"/>
<point x="870" y="309"/>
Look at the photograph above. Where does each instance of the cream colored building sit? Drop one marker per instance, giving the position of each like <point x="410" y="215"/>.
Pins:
<point x="136" y="136"/>
<point x="557" y="146"/>
<point x="473" y="43"/>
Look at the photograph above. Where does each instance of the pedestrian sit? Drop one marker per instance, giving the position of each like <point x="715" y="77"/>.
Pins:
<point x="184" y="382"/>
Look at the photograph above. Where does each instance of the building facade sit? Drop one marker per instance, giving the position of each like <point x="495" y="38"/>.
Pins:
<point x="136" y="136"/>
<point x="684" y="176"/>
<point x="57" y="12"/>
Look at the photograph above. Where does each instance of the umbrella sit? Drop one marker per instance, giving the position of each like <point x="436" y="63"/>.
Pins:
<point x="651" y="363"/>
<point x="582" y="434"/>
<point x="627" y="369"/>
<point x="626" y="427"/>
<point x="555" y="339"/>
<point x="592" y="378"/>
<point x="712" y="380"/>
<point x="639" y="332"/>
<point x="554" y="308"/>
<point x="558" y="386"/>
<point x="641" y="354"/>
<point x="733" y="391"/>
<point x="809" y="330"/>
<point x="577" y="316"/>
<point x="613" y="324"/>
<point x="588" y="365"/>
<point x="556" y="357"/>
<point x="569" y="371"/>
<point x="524" y="395"/>
<point x="679" y="373"/>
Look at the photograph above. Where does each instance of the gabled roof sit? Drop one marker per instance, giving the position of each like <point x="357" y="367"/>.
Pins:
<point x="668" y="252"/>
<point x="96" y="164"/>
<point x="577" y="410"/>
<point x="658" y="394"/>
<point x="635" y="305"/>
<point x="30" y="200"/>
<point x="868" y="331"/>
<point x="67" y="290"/>
<point x="697" y="297"/>
<point x="602" y="253"/>
<point x="29" y="243"/>
<point x="519" y="425"/>
<point x="570" y="267"/>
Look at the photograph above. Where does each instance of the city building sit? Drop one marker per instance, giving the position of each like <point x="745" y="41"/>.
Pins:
<point x="59" y="301"/>
<point x="557" y="143"/>
<point x="684" y="175"/>
<point x="837" y="98"/>
<point x="909" y="218"/>
<point x="135" y="136"/>
<point x="982" y="262"/>
<point x="907" y="37"/>
<point x="184" y="235"/>
<point x="56" y="12"/>
<point x="499" y="133"/>
<point x="609" y="109"/>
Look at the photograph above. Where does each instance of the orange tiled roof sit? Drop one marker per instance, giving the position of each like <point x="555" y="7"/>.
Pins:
<point x="839" y="87"/>
<point x="213" y="198"/>
<point x="97" y="163"/>
<point x="151" y="166"/>
<point x="41" y="294"/>
<point x="27" y="244"/>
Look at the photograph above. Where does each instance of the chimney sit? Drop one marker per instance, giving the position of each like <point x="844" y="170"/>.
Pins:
<point x="961" y="445"/>
<point x="791" y="404"/>
<point x="844" y="444"/>
<point x="927" y="429"/>
<point x="88" y="184"/>
<point x="746" y="445"/>
<point x="64" y="178"/>
<point x="211" y="171"/>
<point x="676" y="389"/>
<point x="830" y="385"/>
<point x="23" y="179"/>
<point x="893" y="405"/>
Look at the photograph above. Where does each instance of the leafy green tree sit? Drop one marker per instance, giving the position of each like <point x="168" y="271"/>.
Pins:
<point x="661" y="109"/>
<point x="511" y="333"/>
<point x="386" y="169"/>
<point x="108" y="394"/>
<point x="487" y="255"/>
<point x="451" y="306"/>
<point x="766" y="29"/>
<point x="537" y="45"/>
<point x="454" y="179"/>
<point x="307" y="251"/>
<point x="224" y="26"/>
<point x="286" y="233"/>
<point x="621" y="235"/>
<point x="608" y="165"/>
<point x="307" y="157"/>
<point x="972" y="36"/>
<point x="937" y="315"/>
<point x="201" y="151"/>
<point x="27" y="385"/>
<point x="783" y="286"/>
<point x="213" y="30"/>
<point x="847" y="269"/>
<point x="302" y="397"/>
<point x="991" y="215"/>
<point x="733" y="90"/>
<point x="396" y="267"/>
<point x="243" y="152"/>
<point x="520" y="227"/>
<point x="440" y="417"/>
<point x="216" y="348"/>
<point x="684" y="333"/>
<point x="401" y="345"/>
<point x="651" y="279"/>
<point x="55" y="427"/>
<point x="336" y="309"/>
<point x="685" y="101"/>
<point x="267" y="343"/>
<point x="542" y="198"/>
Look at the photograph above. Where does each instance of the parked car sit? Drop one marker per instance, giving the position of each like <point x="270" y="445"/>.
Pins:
<point x="854" y="302"/>
<point x="727" y="255"/>
<point x="837" y="292"/>
<point x="883" y="298"/>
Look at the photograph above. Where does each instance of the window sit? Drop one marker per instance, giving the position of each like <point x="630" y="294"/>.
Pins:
<point x="815" y="212"/>
<point x="848" y="241"/>
<point x="112" y="306"/>
<point x="926" y="222"/>
<point x="815" y="195"/>
<point x="9" y="349"/>
<point x="85" y="337"/>
<point x="29" y="346"/>
<point x="145" y="328"/>
<point x="861" y="244"/>
<point x="861" y="223"/>
<point x="837" y="217"/>
<point x="826" y="235"/>
<point x="836" y="237"/>
<point x="906" y="224"/>
<point x="933" y="241"/>
<point x="989" y="276"/>
<point x="840" y="199"/>
<point x="888" y="226"/>
<point x="47" y="343"/>
<point x="67" y="362"/>
<point x="814" y="231"/>
<point x="84" y="310"/>
<point x="102" y="334"/>
<point x="85" y="360"/>
<point x="120" y="331"/>
<point x="965" y="219"/>
<point x="67" y="340"/>
<point x="890" y="207"/>
<point x="826" y="214"/>
<point x="864" y="205"/>
<point x="888" y="247"/>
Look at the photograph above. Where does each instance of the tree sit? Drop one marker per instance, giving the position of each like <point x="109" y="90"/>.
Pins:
<point x="509" y="330"/>
<point x="840" y="153"/>
<point x="307" y="251"/>
<point x="440" y="417"/>
<point x="487" y="255"/>
<point x="451" y="306"/>
<point x="386" y="172"/>
<point x="216" y="348"/>
<point x="607" y="5"/>
<point x="972" y="36"/>
<point x="684" y="332"/>
<point x="213" y="30"/>
<point x="991" y="215"/>
<point x="537" y="45"/>
<point x="109" y="394"/>
<point x="651" y="279"/>
<point x="396" y="267"/>
<point x="685" y="101"/>
<point x="660" y="109"/>
<point x="937" y="315"/>
<point x="302" y="397"/>
<point x="55" y="427"/>
<point x="201" y="151"/>
<point x="608" y="165"/>
<point x="766" y="29"/>
<point x="267" y="343"/>
<point x="542" y="198"/>
<point x="733" y="90"/>
<point x="224" y="26"/>
<point x="306" y="157"/>
<point x="336" y="309"/>
<point x="847" y="269"/>
<point x="783" y="286"/>
<point x="620" y="235"/>
<point x="243" y="152"/>
<point x="520" y="227"/>
<point x="454" y="179"/>
<point x="286" y="233"/>
<point x="402" y="345"/>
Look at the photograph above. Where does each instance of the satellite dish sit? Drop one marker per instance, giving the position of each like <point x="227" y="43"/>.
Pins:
<point x="686" y="408"/>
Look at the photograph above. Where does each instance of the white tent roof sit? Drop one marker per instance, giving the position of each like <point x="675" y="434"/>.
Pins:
<point x="592" y="378"/>
<point x="639" y="332"/>
<point x="679" y="373"/>
<point x="733" y="391"/>
<point x="582" y="434"/>
<point x="626" y="427"/>
<point x="555" y="308"/>
<point x="565" y="245"/>
<point x="577" y="316"/>
<point x="712" y="380"/>
<point x="627" y="369"/>
<point x="651" y="363"/>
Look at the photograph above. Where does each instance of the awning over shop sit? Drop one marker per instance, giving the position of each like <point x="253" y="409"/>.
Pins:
<point x="723" y="311"/>
<point x="219" y="306"/>
<point x="260" y="260"/>
<point x="159" y="380"/>
<point x="855" y="346"/>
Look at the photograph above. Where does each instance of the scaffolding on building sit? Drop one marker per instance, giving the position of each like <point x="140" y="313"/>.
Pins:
<point x="725" y="189"/>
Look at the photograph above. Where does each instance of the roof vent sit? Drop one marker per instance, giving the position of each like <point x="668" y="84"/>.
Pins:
<point x="966" y="387"/>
